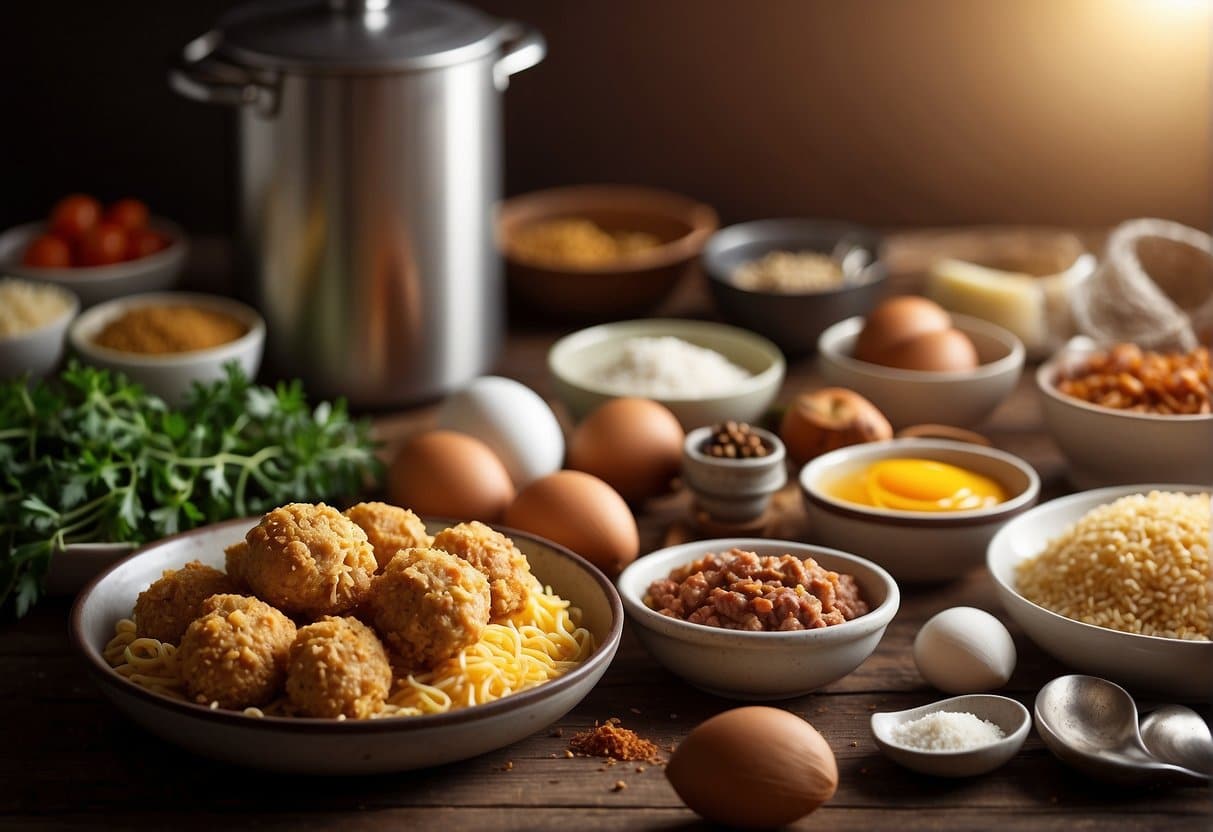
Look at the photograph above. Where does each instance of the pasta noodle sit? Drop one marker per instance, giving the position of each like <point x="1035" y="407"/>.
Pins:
<point x="540" y="642"/>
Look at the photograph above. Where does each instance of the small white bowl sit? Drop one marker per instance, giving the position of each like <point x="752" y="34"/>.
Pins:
<point x="38" y="351"/>
<point x="758" y="665"/>
<point x="172" y="375"/>
<point x="94" y="284"/>
<point x="1170" y="666"/>
<point x="915" y="546"/>
<point x="914" y="397"/>
<point x="731" y="489"/>
<point x="1105" y="446"/>
<point x="332" y="746"/>
<point x="574" y="359"/>
<point x="1009" y="715"/>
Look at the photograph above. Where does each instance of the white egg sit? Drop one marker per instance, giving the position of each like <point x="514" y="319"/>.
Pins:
<point x="964" y="650"/>
<point x="513" y="421"/>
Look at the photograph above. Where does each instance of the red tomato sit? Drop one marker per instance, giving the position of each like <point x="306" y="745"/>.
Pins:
<point x="131" y="214"/>
<point x="103" y="245"/>
<point x="145" y="241"/>
<point x="74" y="216"/>
<point x="48" y="252"/>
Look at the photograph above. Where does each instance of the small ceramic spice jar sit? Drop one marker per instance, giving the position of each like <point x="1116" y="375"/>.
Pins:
<point x="733" y="486"/>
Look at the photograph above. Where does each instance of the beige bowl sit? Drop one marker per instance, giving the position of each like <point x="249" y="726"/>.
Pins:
<point x="38" y="351"/>
<point x="914" y="397"/>
<point x="759" y="665"/>
<point x="1116" y="447"/>
<point x="171" y="376"/>
<point x="915" y="546"/>
<point x="574" y="359"/>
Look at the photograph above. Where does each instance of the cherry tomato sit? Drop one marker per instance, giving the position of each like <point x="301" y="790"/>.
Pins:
<point x="74" y="216"/>
<point x="102" y="245"/>
<point x="48" y="252"/>
<point x="145" y="241"/>
<point x="131" y="214"/>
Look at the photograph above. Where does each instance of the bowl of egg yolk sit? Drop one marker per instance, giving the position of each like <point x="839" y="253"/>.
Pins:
<point x="924" y="509"/>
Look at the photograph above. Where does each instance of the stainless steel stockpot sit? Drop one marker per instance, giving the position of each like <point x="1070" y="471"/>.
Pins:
<point x="370" y="168"/>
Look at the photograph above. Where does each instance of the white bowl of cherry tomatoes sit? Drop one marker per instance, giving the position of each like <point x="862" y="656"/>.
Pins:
<point x="98" y="251"/>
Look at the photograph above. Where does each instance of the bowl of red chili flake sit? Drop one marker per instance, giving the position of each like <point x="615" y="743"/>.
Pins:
<point x="758" y="619"/>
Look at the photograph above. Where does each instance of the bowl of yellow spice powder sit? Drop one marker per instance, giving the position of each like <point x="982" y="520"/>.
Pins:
<point x="167" y="341"/>
<point x="598" y="252"/>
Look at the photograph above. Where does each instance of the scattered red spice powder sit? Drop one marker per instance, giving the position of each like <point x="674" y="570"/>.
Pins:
<point x="610" y="739"/>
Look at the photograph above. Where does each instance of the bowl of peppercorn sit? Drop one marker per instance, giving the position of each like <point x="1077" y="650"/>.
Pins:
<point x="732" y="469"/>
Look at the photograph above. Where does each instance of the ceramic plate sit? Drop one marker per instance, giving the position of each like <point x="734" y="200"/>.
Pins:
<point x="329" y="746"/>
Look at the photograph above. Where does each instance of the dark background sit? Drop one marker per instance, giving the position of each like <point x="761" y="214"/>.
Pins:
<point x="909" y="112"/>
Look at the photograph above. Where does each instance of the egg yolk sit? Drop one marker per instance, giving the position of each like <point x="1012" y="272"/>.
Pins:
<point x="919" y="485"/>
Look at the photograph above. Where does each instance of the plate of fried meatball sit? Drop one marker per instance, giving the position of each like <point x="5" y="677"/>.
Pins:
<point x="320" y="641"/>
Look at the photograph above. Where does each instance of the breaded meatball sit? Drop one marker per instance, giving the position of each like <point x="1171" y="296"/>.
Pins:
<point x="236" y="652"/>
<point x="428" y="605"/>
<point x="389" y="529"/>
<point x="167" y="607"/>
<point x="495" y="555"/>
<point x="338" y="666"/>
<point x="309" y="560"/>
<point x="234" y="557"/>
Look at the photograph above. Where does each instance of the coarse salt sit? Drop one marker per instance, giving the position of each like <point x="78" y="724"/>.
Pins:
<point x="669" y="368"/>
<point x="946" y="731"/>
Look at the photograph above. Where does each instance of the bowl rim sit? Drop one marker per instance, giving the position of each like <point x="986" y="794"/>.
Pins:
<point x="114" y="307"/>
<point x="1014" y="739"/>
<point x="1000" y="542"/>
<point x="694" y="438"/>
<point x="671" y="557"/>
<point x="656" y="327"/>
<point x="63" y="319"/>
<point x="701" y="217"/>
<point x="815" y="468"/>
<point x="1046" y="381"/>
<point x="603" y="654"/>
<point x="176" y="250"/>
<point x="827" y="347"/>
<point x="876" y="273"/>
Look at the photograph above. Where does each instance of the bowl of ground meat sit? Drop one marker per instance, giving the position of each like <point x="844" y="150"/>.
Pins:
<point x="758" y="619"/>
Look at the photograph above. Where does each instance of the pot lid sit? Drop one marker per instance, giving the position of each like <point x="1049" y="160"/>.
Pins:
<point x="356" y="36"/>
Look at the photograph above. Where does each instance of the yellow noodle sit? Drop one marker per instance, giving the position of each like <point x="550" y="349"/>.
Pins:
<point x="540" y="642"/>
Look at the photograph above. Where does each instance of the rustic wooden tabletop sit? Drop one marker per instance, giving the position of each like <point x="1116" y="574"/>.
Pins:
<point x="69" y="760"/>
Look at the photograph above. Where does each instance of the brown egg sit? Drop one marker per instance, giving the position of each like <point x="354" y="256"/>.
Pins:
<point x="898" y="319"/>
<point x="753" y="768"/>
<point x="633" y="445"/>
<point x="948" y="350"/>
<point x="441" y="473"/>
<point x="579" y="511"/>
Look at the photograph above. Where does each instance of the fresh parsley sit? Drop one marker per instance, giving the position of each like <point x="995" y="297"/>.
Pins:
<point x="91" y="457"/>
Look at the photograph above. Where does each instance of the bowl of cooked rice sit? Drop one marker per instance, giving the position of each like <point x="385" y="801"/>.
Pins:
<point x="313" y="641"/>
<point x="1115" y="582"/>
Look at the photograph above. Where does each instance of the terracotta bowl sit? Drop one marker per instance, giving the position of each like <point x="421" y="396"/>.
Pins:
<point x="628" y="286"/>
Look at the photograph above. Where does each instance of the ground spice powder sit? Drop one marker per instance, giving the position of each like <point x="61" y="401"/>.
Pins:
<point x="611" y="739"/>
<point x="156" y="330"/>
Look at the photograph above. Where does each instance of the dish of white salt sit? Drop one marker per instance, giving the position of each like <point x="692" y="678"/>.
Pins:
<point x="959" y="737"/>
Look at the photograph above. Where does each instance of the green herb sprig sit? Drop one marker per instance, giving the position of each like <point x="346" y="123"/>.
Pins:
<point x="92" y="457"/>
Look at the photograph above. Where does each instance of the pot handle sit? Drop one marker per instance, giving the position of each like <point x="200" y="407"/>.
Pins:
<point x="523" y="47"/>
<point x="200" y="76"/>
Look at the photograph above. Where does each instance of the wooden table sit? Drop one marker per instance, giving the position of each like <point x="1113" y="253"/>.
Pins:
<point x="69" y="760"/>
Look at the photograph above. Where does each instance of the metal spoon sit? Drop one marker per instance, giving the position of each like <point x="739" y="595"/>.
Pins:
<point x="1091" y="724"/>
<point x="1175" y="734"/>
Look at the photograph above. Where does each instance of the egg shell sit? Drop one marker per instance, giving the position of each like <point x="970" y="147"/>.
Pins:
<point x="948" y="350"/>
<point x="580" y="511"/>
<point x="898" y="319"/>
<point x="512" y="420"/>
<point x="633" y="445"/>
<point x="964" y="650"/>
<point x="753" y="768"/>
<point x="441" y="473"/>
